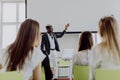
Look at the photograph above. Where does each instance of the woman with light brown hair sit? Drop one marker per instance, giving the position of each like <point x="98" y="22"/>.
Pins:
<point x="84" y="49"/>
<point x="23" y="54"/>
<point x="107" y="54"/>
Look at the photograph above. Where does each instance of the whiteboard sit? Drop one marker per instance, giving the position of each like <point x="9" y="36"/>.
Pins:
<point x="81" y="14"/>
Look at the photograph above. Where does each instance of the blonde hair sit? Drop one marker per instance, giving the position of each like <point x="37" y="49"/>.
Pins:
<point x="108" y="30"/>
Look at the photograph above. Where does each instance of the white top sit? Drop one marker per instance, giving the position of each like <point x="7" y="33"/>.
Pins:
<point x="82" y="58"/>
<point x="30" y="63"/>
<point x="102" y="59"/>
<point x="51" y="40"/>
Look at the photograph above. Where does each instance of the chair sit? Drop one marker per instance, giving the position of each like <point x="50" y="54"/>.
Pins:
<point x="13" y="75"/>
<point x="64" y="63"/>
<point x="67" y="56"/>
<point x="64" y="68"/>
<point x="107" y="74"/>
<point x="81" y="72"/>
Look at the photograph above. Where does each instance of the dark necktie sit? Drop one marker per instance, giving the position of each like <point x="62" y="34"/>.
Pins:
<point x="51" y="35"/>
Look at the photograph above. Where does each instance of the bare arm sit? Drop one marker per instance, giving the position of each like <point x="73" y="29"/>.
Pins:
<point x="61" y="34"/>
<point x="36" y="72"/>
<point x="0" y="66"/>
<point x="67" y="25"/>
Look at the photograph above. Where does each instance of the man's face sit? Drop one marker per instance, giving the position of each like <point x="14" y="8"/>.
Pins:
<point x="50" y="29"/>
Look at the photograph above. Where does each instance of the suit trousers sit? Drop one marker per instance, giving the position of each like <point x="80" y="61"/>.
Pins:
<point x="46" y="65"/>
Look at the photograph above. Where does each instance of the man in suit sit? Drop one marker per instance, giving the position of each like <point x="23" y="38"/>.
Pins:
<point x="49" y="46"/>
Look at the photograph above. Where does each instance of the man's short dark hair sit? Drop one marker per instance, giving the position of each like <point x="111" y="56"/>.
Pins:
<point x="48" y="26"/>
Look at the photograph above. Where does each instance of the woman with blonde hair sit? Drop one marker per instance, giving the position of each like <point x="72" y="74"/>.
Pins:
<point x="82" y="57"/>
<point x="107" y="54"/>
<point x="23" y="54"/>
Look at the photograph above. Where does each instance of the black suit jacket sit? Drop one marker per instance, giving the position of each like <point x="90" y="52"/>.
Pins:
<point x="45" y="44"/>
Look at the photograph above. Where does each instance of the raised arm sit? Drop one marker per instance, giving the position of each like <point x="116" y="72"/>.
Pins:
<point x="61" y="34"/>
<point x="36" y="72"/>
<point x="66" y="26"/>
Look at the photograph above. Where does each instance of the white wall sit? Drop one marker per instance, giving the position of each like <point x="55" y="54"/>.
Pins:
<point x="69" y="41"/>
<point x="82" y="14"/>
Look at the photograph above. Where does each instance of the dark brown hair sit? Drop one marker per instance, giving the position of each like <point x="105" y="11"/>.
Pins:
<point x="24" y="43"/>
<point x="85" y="41"/>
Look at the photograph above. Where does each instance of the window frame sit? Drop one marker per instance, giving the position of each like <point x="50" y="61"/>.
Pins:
<point x="9" y="23"/>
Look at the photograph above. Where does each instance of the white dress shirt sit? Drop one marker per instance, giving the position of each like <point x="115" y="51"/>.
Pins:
<point x="51" y="40"/>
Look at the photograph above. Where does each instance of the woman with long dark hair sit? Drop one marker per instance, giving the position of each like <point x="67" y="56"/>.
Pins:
<point x="23" y="54"/>
<point x="84" y="49"/>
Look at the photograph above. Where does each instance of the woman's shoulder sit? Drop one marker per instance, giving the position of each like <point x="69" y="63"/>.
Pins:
<point x="3" y="56"/>
<point x="84" y="52"/>
<point x="75" y="55"/>
<point x="35" y="57"/>
<point x="81" y="54"/>
<point x="3" y="51"/>
<point x="98" y="47"/>
<point x="37" y="54"/>
<point x="98" y="50"/>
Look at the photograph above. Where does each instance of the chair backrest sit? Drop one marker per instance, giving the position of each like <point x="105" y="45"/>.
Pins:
<point x="81" y="72"/>
<point x="13" y="75"/>
<point x="107" y="74"/>
<point x="64" y="63"/>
